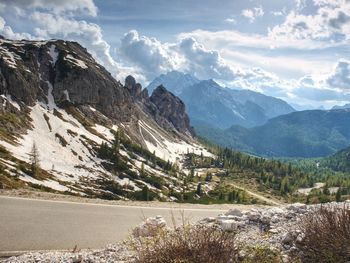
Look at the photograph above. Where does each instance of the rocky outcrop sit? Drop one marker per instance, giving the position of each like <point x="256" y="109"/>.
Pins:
<point x="171" y="108"/>
<point x="135" y="89"/>
<point x="164" y="107"/>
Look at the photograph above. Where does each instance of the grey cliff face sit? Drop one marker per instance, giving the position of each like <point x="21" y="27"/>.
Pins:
<point x="171" y="108"/>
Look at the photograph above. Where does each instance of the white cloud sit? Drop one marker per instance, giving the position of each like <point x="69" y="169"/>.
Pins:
<point x="82" y="6"/>
<point x="252" y="14"/>
<point x="204" y="63"/>
<point x="149" y="54"/>
<point x="277" y="13"/>
<point x="340" y="77"/>
<point x="154" y="57"/>
<point x="300" y="4"/>
<point x="331" y="20"/>
<point x="234" y="38"/>
<point x="231" y="20"/>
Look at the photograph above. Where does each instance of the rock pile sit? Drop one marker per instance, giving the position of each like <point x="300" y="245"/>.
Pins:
<point x="272" y="227"/>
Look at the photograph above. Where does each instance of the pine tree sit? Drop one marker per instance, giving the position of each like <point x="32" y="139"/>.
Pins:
<point x="34" y="160"/>
<point x="199" y="189"/>
<point x="145" y="193"/>
<point x="154" y="159"/>
<point x="231" y="196"/>
<point x="326" y="191"/>
<point x="142" y="172"/>
<point x="338" y="196"/>
<point x="116" y="142"/>
<point x="191" y="176"/>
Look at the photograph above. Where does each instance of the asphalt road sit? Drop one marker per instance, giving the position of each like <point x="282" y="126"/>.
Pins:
<point x="29" y="224"/>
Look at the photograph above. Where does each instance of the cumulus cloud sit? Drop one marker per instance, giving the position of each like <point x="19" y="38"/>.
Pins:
<point x="340" y="78"/>
<point x="202" y="62"/>
<point x="82" y="6"/>
<point x="154" y="57"/>
<point x="332" y="18"/>
<point x="252" y="14"/>
<point x="149" y="54"/>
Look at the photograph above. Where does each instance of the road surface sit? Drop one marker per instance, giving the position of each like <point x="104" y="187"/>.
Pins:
<point x="29" y="224"/>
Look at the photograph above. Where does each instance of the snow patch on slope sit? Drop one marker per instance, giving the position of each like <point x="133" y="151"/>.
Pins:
<point x="53" y="54"/>
<point x="77" y="62"/>
<point x="166" y="149"/>
<point x="63" y="161"/>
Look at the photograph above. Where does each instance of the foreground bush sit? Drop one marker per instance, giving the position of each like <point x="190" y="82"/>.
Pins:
<point x="327" y="236"/>
<point x="187" y="244"/>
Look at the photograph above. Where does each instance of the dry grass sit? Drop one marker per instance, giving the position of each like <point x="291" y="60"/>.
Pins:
<point x="327" y="235"/>
<point x="187" y="244"/>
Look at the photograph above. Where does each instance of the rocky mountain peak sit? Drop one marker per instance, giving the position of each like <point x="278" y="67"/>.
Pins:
<point x="135" y="89"/>
<point x="174" y="81"/>
<point x="172" y="108"/>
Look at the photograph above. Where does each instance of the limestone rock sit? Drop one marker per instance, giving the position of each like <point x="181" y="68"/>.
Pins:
<point x="149" y="227"/>
<point x="171" y="108"/>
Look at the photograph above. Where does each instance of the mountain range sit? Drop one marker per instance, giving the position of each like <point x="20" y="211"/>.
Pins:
<point x="210" y="104"/>
<point x="345" y="106"/>
<point x="312" y="133"/>
<point x="255" y="123"/>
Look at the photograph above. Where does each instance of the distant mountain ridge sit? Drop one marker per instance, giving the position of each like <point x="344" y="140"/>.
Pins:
<point x="313" y="133"/>
<point x="209" y="103"/>
<point x="175" y="82"/>
<point x="337" y="107"/>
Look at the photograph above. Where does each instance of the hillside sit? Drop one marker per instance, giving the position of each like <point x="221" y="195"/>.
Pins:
<point x="339" y="161"/>
<point x="210" y="104"/>
<point x="313" y="133"/>
<point x="67" y="125"/>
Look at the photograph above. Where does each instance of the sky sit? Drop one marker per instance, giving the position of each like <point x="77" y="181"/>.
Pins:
<point x="296" y="50"/>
